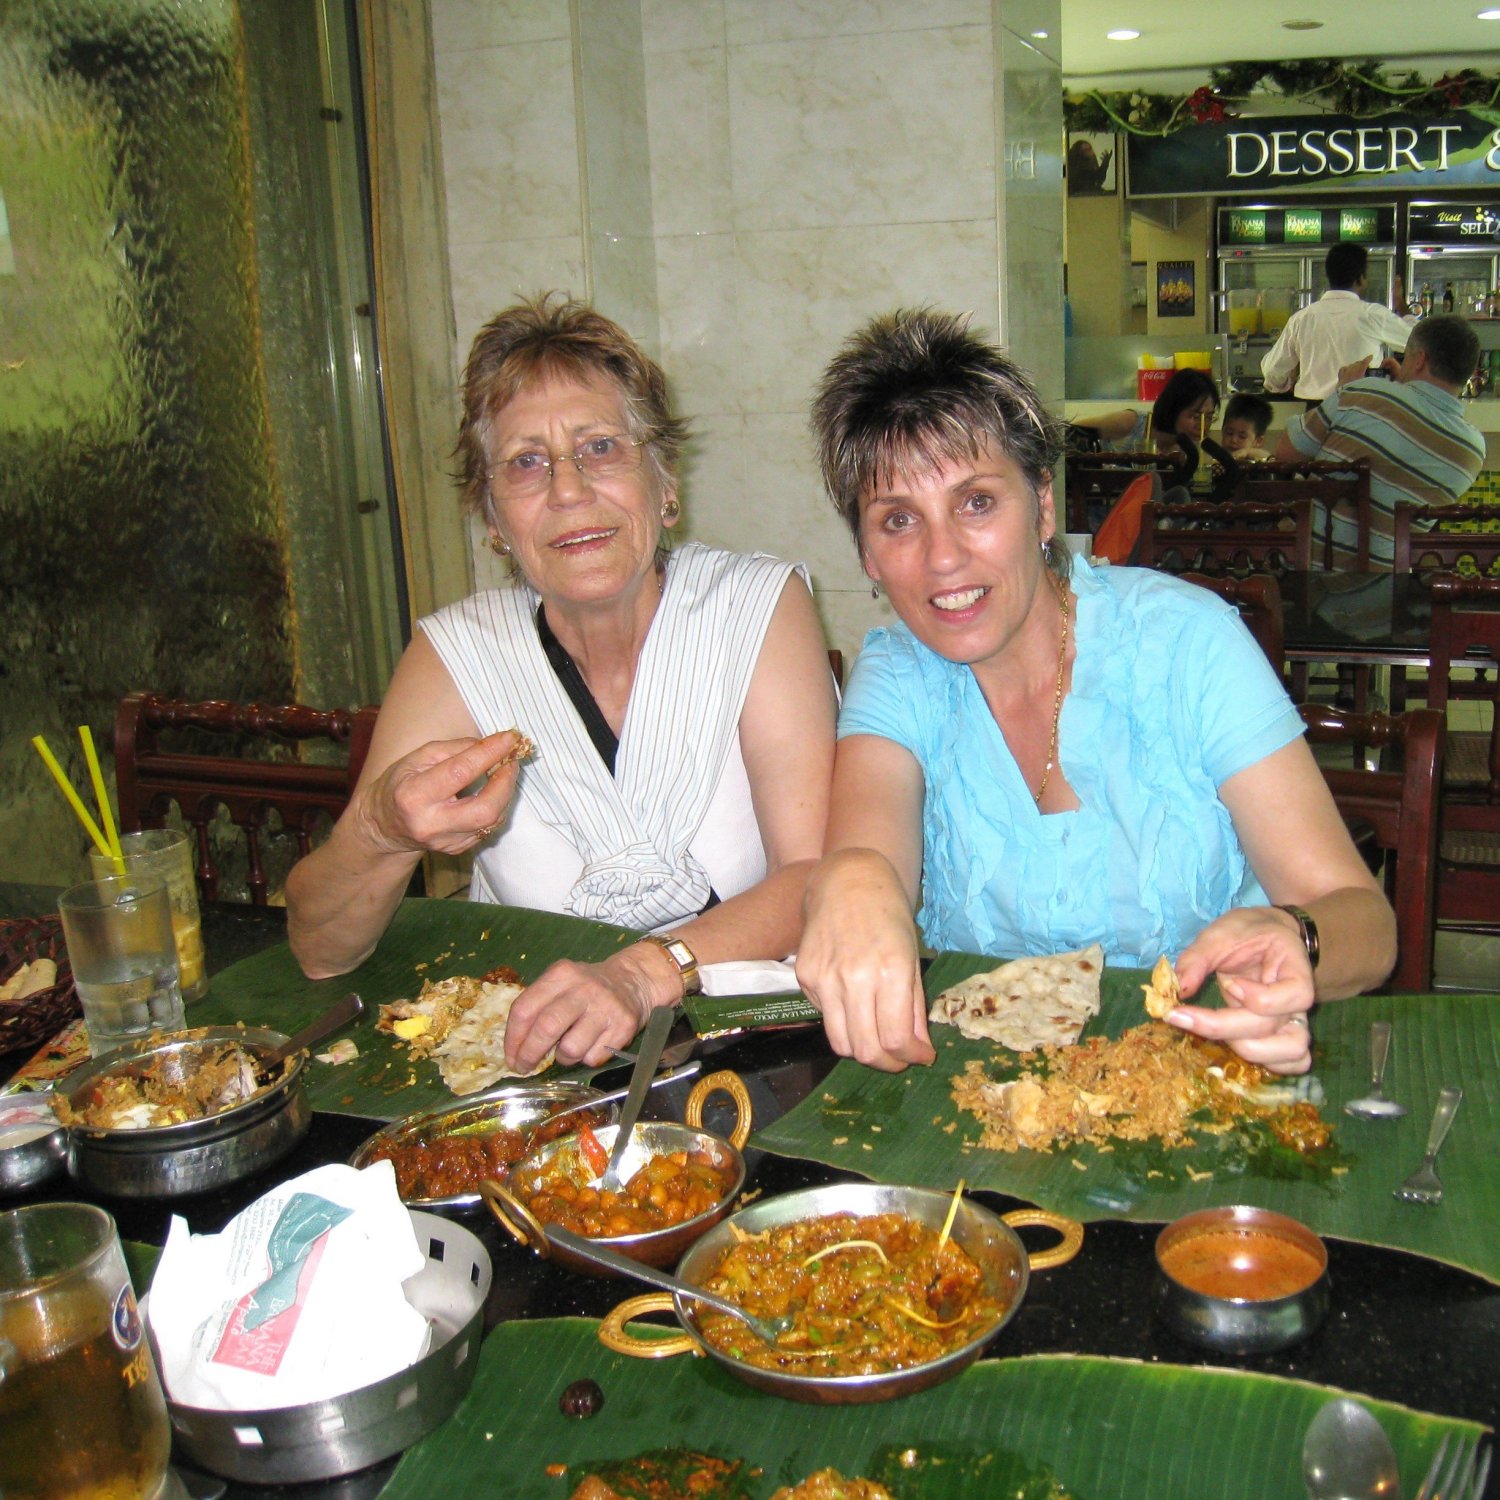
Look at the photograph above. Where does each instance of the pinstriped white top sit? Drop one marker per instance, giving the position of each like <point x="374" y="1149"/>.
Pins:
<point x="640" y="850"/>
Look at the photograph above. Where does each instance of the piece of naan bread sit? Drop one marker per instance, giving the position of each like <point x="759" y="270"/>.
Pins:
<point x="1027" y="1003"/>
<point x="472" y="1056"/>
<point x="424" y="1023"/>
<point x="1164" y="992"/>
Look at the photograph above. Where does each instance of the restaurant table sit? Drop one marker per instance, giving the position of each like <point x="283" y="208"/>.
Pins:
<point x="1401" y="1328"/>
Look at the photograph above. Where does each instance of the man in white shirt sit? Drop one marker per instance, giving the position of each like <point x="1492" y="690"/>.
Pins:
<point x="1339" y="329"/>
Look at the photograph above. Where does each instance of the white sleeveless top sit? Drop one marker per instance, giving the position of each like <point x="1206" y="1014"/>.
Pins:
<point x="640" y="849"/>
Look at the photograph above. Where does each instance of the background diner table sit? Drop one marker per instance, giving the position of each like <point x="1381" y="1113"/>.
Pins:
<point x="1402" y="1328"/>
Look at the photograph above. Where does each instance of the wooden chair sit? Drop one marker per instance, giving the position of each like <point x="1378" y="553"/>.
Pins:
<point x="305" y="796"/>
<point x="1096" y="480"/>
<point x="1466" y="623"/>
<point x="1400" y="805"/>
<point x="1424" y="553"/>
<point x="1342" y="489"/>
<point x="1221" y="540"/>
<point x="1258" y="599"/>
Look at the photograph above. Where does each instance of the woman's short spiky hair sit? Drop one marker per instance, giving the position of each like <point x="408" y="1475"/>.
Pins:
<point x="914" y="390"/>
<point x="553" y="335"/>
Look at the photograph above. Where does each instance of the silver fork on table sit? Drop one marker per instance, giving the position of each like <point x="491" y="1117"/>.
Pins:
<point x="1465" y="1476"/>
<point x="1423" y="1185"/>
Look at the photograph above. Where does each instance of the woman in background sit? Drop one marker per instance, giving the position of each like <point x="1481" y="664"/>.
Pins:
<point x="1184" y="409"/>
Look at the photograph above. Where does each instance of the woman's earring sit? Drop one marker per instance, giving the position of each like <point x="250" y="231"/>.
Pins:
<point x="670" y="510"/>
<point x="498" y="547"/>
<point x="874" y="590"/>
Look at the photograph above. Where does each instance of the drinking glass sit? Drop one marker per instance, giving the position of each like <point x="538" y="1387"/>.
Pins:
<point x="119" y="936"/>
<point x="168" y="854"/>
<point x="81" y="1409"/>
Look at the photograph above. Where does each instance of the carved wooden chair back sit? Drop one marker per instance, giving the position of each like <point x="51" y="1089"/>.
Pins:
<point x="1229" y="539"/>
<point x="305" y="796"/>
<point x="1401" y="805"/>
<point x="1258" y="599"/>
<point x="1341" y="490"/>
<point x="1424" y="553"/>
<point x="1094" y="481"/>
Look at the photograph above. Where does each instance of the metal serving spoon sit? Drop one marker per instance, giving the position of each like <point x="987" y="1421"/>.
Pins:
<point x="766" y="1329"/>
<point x="1347" y="1456"/>
<point x="340" y="1013"/>
<point x="1375" y="1105"/>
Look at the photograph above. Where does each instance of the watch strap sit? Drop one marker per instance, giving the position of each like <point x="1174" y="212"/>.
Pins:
<point x="1309" y="930"/>
<point x="683" y="960"/>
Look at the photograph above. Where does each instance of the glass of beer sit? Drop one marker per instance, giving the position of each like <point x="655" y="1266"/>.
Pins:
<point x="168" y="854"/>
<point x="81" y="1409"/>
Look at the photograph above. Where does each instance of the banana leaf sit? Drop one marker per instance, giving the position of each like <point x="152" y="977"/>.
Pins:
<point x="906" y="1128"/>
<point x="1033" y="1428"/>
<point x="426" y="940"/>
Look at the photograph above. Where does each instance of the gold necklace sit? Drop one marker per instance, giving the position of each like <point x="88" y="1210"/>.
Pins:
<point x="1062" y="661"/>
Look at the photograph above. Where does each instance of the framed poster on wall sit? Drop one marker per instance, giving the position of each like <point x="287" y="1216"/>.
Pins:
<point x="1091" y="166"/>
<point x="1176" y="289"/>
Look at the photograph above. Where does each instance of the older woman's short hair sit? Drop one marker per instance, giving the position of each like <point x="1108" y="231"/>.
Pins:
<point x="915" y="389"/>
<point x="555" y="336"/>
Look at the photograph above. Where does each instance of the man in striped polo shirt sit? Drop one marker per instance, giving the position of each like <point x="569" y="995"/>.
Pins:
<point x="1411" y="429"/>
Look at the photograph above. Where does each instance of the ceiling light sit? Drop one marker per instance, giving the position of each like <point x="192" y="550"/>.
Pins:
<point x="1301" y="25"/>
<point x="1488" y="15"/>
<point x="1040" y="36"/>
<point x="1122" y="36"/>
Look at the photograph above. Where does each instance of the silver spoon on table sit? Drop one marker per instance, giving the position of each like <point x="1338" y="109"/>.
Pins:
<point x="1375" y="1105"/>
<point x="1347" y="1456"/>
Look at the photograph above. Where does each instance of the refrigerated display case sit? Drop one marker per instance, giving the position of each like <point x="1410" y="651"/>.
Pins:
<point x="1454" y="247"/>
<point x="1270" y="263"/>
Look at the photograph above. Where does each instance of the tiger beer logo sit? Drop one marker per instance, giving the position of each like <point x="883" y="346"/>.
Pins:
<point x="125" y="1322"/>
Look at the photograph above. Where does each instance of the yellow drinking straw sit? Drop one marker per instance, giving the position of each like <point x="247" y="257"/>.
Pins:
<point x="101" y="796"/>
<point x="90" y="826"/>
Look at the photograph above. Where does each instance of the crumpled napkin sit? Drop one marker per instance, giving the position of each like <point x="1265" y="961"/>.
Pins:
<point x="297" y="1299"/>
<point x="749" y="976"/>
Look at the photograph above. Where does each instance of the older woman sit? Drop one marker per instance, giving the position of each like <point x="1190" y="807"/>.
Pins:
<point x="680" y="705"/>
<point x="1042" y="754"/>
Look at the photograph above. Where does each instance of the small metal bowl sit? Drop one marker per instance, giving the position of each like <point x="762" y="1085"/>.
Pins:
<point x="1241" y="1280"/>
<point x="169" y="1161"/>
<point x="660" y="1247"/>
<point x="33" y="1146"/>
<point x="516" y="1107"/>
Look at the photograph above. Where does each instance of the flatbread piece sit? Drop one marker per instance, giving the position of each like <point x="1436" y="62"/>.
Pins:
<point x="1027" y="1003"/>
<point x="472" y="1056"/>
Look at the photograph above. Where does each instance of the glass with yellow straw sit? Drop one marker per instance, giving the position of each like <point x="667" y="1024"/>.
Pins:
<point x="165" y="853"/>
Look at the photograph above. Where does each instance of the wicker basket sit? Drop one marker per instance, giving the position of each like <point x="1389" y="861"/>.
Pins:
<point x="39" y="1017"/>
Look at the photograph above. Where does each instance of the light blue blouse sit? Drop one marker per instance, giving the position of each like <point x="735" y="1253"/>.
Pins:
<point x="1170" y="697"/>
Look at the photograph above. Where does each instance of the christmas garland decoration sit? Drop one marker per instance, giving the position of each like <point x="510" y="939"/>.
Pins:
<point x="1334" y="85"/>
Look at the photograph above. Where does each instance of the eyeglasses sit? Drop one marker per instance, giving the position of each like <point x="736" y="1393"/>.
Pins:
<point x="607" y="455"/>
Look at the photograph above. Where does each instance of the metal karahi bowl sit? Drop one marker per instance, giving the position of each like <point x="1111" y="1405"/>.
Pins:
<point x="660" y="1247"/>
<point x="1203" y="1259"/>
<point x="520" y="1107"/>
<point x="33" y="1146"/>
<point x="986" y="1237"/>
<point x="170" y="1161"/>
<point x="324" y="1439"/>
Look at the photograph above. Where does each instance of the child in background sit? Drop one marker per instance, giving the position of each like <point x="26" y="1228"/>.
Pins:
<point x="1245" y="421"/>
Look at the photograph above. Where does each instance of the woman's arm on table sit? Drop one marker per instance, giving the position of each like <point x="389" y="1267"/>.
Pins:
<point x="1111" y="426"/>
<point x="859" y="957"/>
<point x="426" y="750"/>
<point x="786" y="739"/>
<point x="1301" y="852"/>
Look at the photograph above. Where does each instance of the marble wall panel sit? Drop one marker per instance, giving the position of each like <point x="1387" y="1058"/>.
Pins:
<point x="670" y="25"/>
<point x="466" y="25"/>
<point x="875" y="129"/>
<point x="700" y="333"/>
<point x="802" y="293"/>
<point x="489" y="276"/>
<point x="622" y="273"/>
<point x="750" y="21"/>
<point x="510" y="152"/>
<point x="692" y="188"/>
